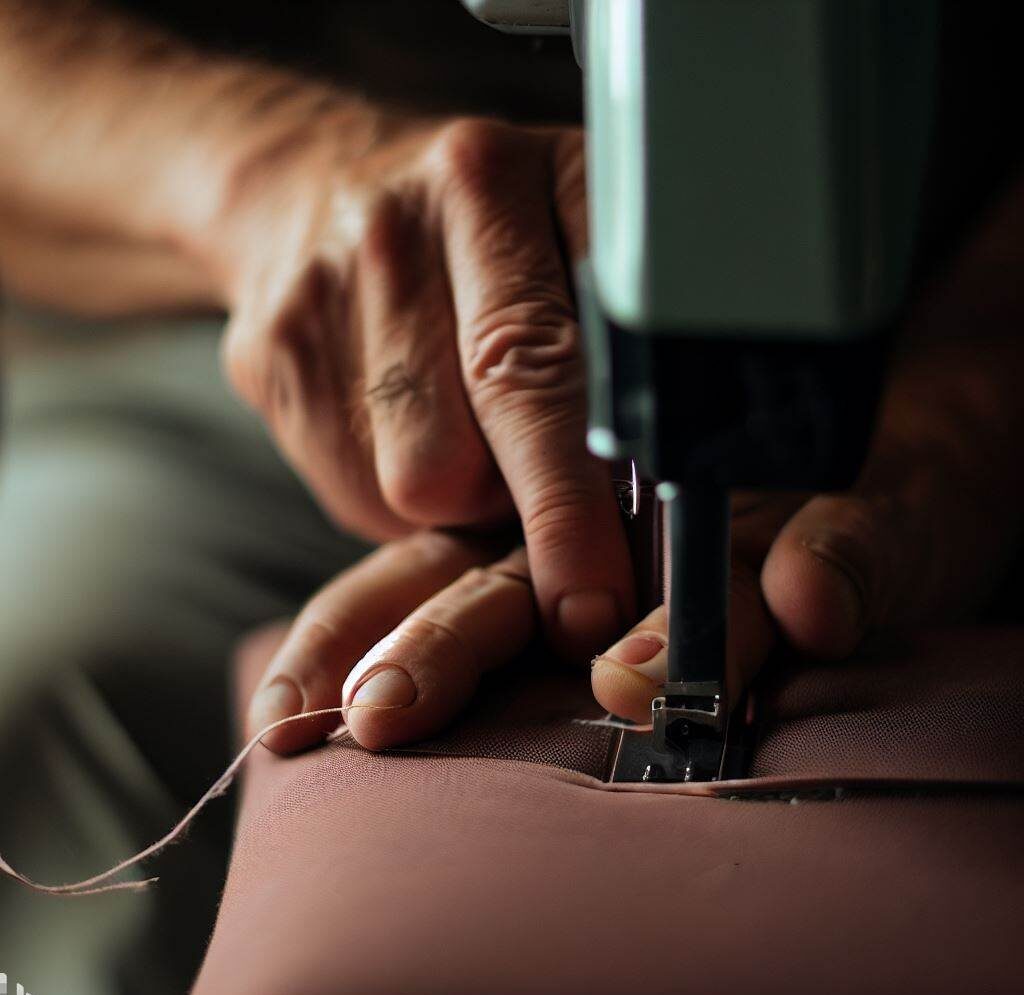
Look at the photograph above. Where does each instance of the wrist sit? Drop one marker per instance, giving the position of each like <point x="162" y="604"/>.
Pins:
<point x="258" y="165"/>
<point x="114" y="133"/>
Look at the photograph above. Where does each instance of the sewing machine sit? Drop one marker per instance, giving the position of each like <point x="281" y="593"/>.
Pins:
<point x="755" y="171"/>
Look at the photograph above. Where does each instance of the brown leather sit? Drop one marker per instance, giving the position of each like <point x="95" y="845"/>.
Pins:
<point x="369" y="874"/>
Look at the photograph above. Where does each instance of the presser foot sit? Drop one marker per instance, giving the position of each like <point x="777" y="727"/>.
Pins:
<point x="693" y="738"/>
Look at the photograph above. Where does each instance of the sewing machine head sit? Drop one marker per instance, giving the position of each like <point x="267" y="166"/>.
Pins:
<point x="754" y="171"/>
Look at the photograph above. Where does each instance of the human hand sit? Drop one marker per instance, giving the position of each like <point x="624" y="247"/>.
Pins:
<point x="402" y="318"/>
<point x="926" y="534"/>
<point x="405" y="635"/>
<point x="400" y="639"/>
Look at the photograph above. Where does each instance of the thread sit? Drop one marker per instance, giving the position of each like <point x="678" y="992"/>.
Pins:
<point x="610" y="722"/>
<point x="100" y="883"/>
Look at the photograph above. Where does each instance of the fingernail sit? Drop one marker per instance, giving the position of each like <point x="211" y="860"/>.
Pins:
<point x="276" y="701"/>
<point x="625" y="691"/>
<point x="644" y="653"/>
<point x="634" y="650"/>
<point x="389" y="687"/>
<point x="589" y="618"/>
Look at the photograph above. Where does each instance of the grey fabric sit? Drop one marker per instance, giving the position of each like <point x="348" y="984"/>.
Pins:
<point x="146" y="523"/>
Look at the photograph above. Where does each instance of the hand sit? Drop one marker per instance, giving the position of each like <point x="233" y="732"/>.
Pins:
<point x="403" y="320"/>
<point x="405" y="635"/>
<point x="926" y="534"/>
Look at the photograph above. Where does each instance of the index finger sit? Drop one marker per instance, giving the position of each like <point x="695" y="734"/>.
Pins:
<point x="523" y="368"/>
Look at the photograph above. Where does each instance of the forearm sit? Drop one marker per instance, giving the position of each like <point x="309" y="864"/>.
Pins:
<point x="115" y="136"/>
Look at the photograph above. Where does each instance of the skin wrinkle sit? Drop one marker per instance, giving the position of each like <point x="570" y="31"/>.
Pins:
<point x="397" y="384"/>
<point x="525" y="345"/>
<point x="474" y="154"/>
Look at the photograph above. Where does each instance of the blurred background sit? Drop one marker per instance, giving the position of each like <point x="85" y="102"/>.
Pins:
<point x="146" y="522"/>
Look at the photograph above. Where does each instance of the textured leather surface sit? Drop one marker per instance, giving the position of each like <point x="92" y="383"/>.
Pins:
<point x="360" y="873"/>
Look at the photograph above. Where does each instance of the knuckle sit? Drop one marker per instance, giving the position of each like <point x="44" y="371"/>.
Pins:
<point x="475" y="580"/>
<point x="515" y="566"/>
<point x="262" y="353"/>
<point x="529" y="344"/>
<point x="426" y="549"/>
<point x="445" y="490"/>
<point x="472" y="150"/>
<point x="414" y="493"/>
<point x="297" y="325"/>
<point x="289" y="333"/>
<point x="481" y="581"/>
<point x="290" y="353"/>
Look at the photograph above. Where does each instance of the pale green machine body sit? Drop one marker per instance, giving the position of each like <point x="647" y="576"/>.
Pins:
<point x="754" y="165"/>
<point x="755" y="170"/>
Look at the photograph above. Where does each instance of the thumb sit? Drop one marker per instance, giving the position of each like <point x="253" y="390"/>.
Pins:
<point x="933" y="524"/>
<point x="843" y="565"/>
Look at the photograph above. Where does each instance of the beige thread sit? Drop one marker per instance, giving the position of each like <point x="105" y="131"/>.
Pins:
<point x="96" y="885"/>
<point x="101" y="883"/>
<point x="610" y="722"/>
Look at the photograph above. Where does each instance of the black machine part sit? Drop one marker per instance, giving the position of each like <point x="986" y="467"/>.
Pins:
<point x="707" y="416"/>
